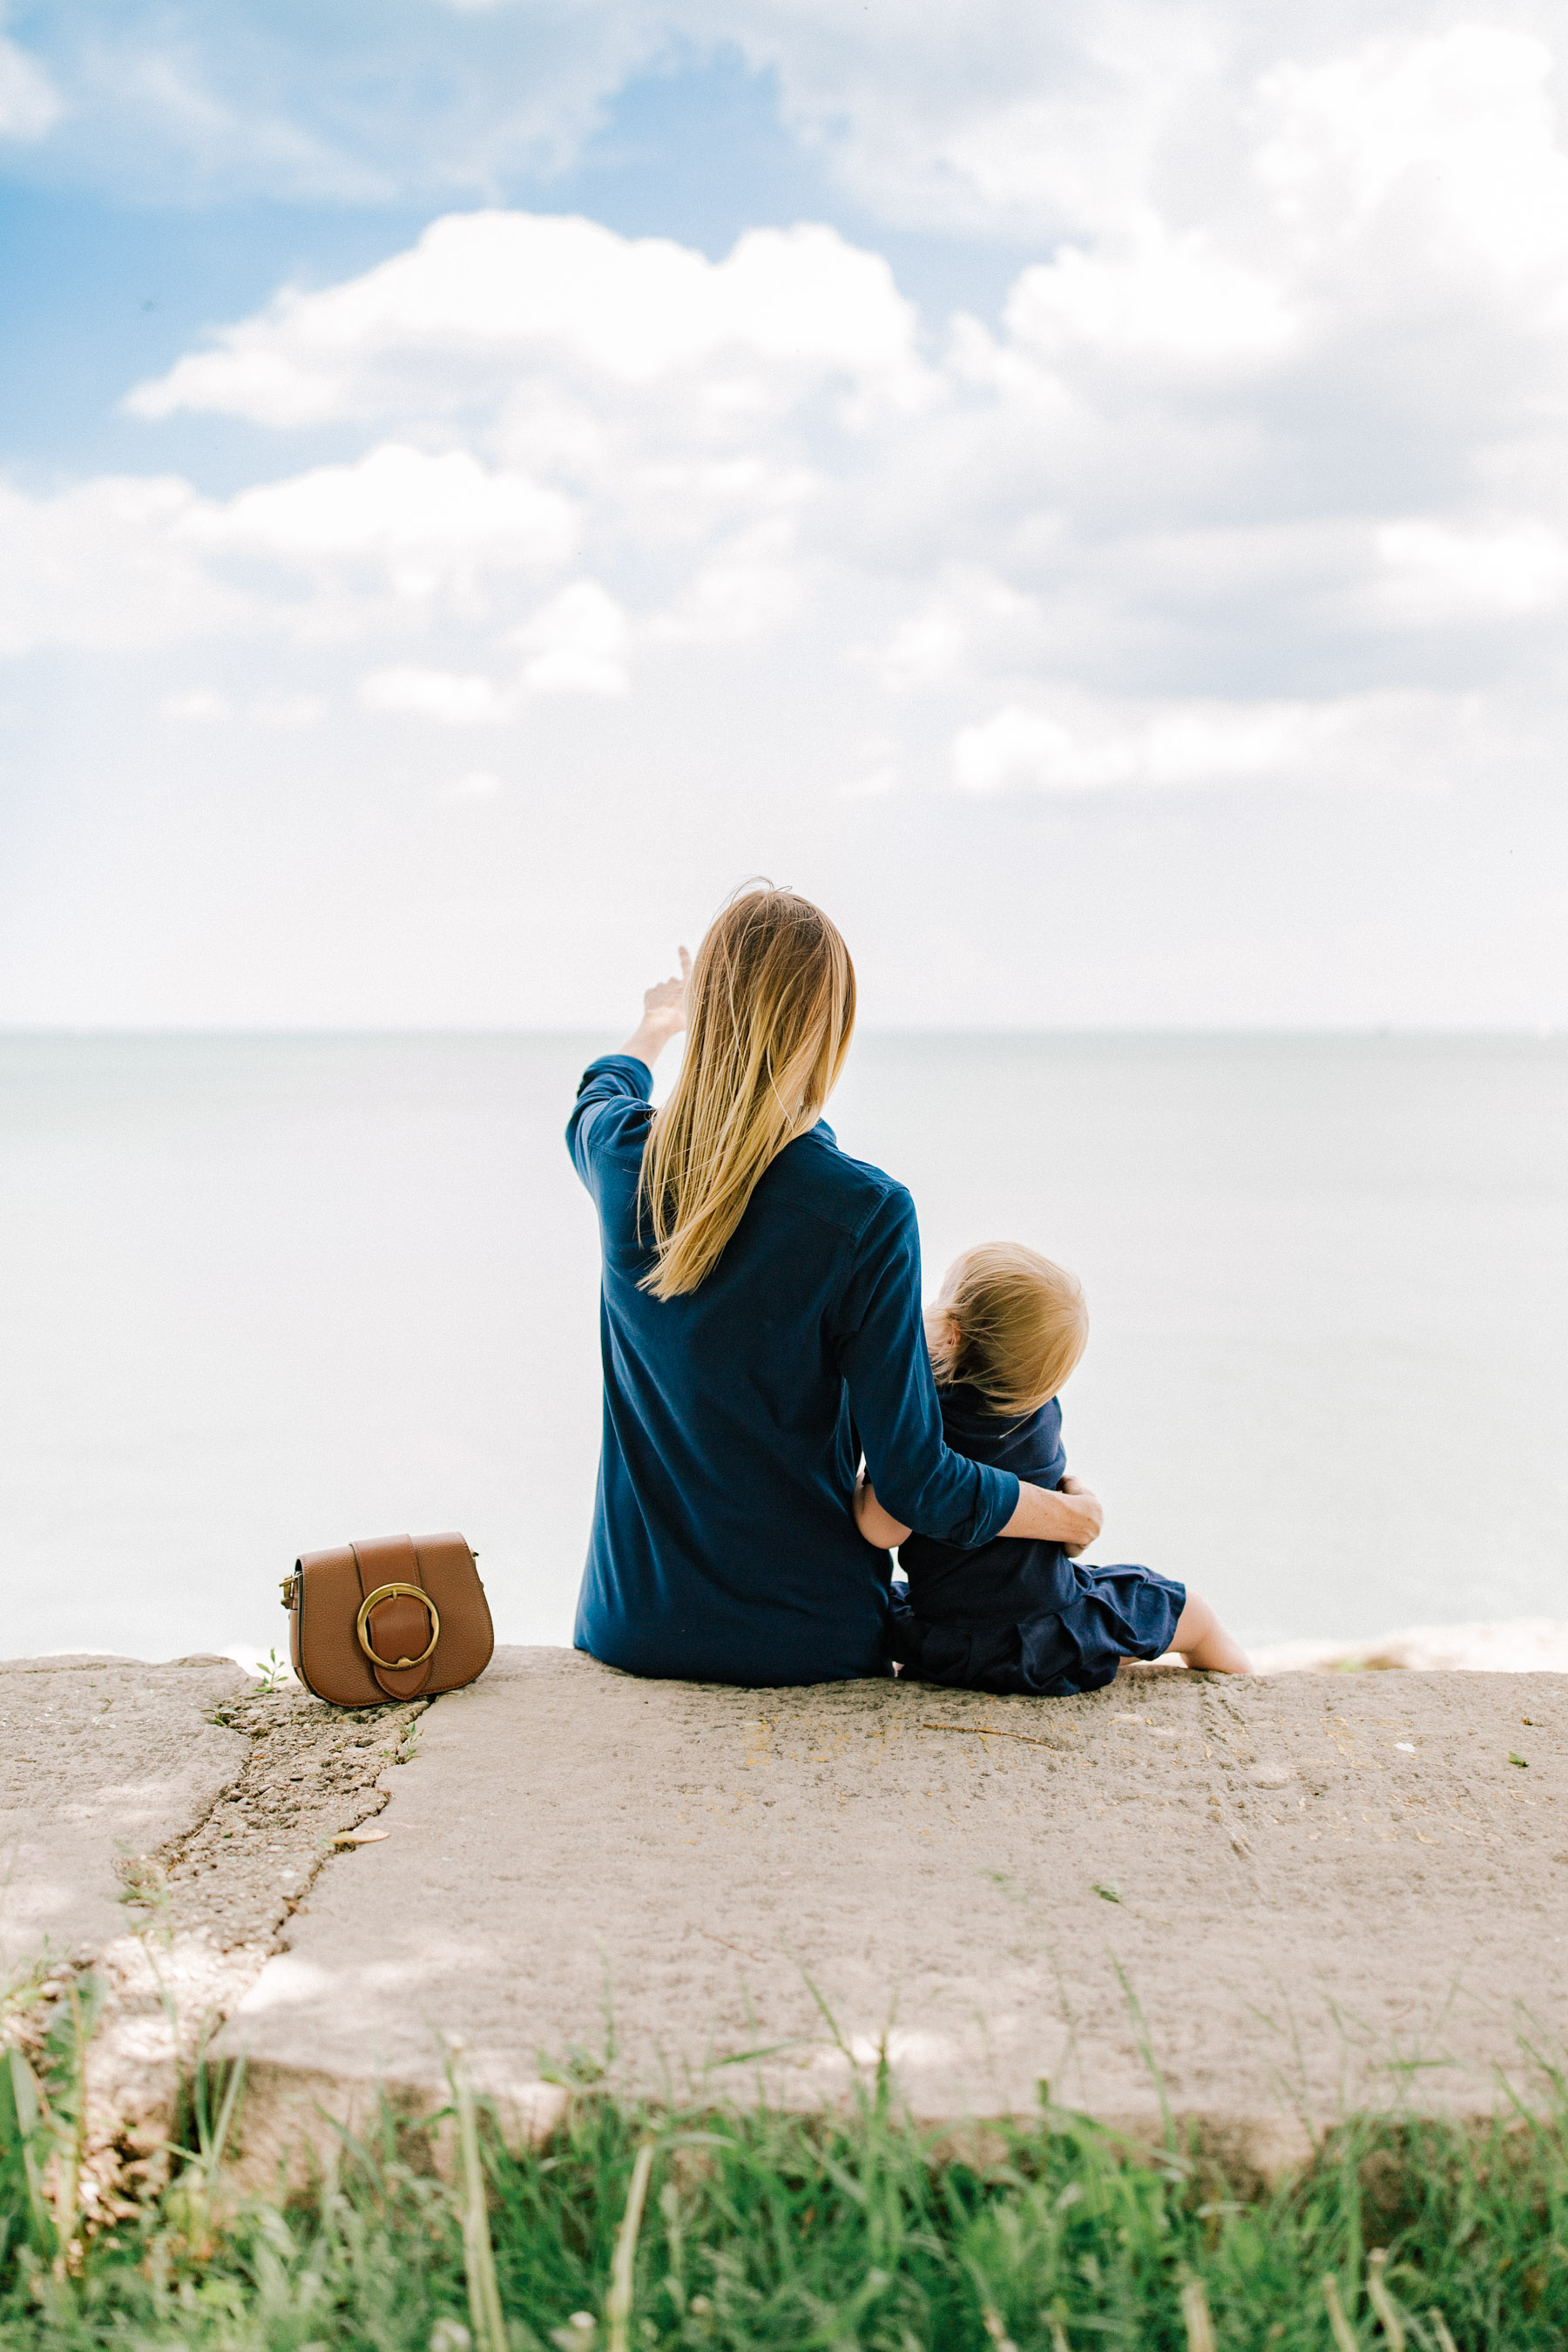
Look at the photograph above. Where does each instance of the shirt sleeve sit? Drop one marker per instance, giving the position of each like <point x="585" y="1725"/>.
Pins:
<point x="612" y="1095"/>
<point x="892" y="1395"/>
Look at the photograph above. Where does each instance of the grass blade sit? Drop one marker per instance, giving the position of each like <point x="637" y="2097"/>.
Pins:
<point x="1381" y="2302"/>
<point x="479" y="2254"/>
<point x="622" y="2274"/>
<point x="1195" y="2316"/>
<point x="1340" y="2328"/>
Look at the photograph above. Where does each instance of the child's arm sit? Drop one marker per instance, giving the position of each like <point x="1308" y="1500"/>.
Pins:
<point x="1067" y="1515"/>
<point x="878" y="1526"/>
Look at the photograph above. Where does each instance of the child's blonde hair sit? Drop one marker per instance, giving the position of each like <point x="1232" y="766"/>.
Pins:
<point x="1013" y="1326"/>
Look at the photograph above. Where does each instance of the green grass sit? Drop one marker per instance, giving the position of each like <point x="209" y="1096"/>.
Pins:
<point x="638" y="2227"/>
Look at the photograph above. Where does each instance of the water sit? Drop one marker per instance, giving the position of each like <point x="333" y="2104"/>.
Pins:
<point x="259" y="1294"/>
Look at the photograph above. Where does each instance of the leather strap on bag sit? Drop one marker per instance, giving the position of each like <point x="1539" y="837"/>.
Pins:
<point x="398" y="1626"/>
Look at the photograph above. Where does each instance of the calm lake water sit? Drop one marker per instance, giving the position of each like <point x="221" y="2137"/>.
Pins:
<point x="260" y="1295"/>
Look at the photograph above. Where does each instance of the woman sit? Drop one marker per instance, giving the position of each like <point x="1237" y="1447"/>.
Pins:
<point x="760" y="1328"/>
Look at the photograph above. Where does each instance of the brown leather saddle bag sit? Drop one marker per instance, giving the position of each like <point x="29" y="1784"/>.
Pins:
<point x="395" y="1617"/>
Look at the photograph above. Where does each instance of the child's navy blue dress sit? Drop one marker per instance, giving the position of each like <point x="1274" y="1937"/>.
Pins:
<point x="1017" y="1615"/>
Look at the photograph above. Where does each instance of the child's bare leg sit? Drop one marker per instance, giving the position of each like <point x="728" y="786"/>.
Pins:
<point x="1202" y="1640"/>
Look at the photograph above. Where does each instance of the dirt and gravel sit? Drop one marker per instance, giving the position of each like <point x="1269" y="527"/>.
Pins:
<point x="309" y="1774"/>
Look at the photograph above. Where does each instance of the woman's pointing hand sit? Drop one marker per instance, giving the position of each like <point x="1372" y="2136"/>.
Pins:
<point x="663" y="1014"/>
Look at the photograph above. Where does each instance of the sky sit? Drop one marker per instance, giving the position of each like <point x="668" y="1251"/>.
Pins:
<point x="1079" y="489"/>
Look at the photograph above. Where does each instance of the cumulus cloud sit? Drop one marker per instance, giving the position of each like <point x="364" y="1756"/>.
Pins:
<point x="414" y="513"/>
<point x="1152" y="294"/>
<point x="1450" y="142"/>
<point x="1434" y="573"/>
<point x="577" y="644"/>
<point x="1247" y="471"/>
<point x="129" y="561"/>
<point x="1002" y="118"/>
<point x="107" y="566"/>
<point x="1247" y="477"/>
<point x="501" y="291"/>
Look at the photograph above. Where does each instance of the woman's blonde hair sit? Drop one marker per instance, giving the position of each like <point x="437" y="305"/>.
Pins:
<point x="770" y="1007"/>
<point x="1012" y="1324"/>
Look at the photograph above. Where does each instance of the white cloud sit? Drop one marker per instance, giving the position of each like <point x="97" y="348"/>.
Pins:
<point x="971" y="618"/>
<point x="105" y="566"/>
<point x="1002" y="116"/>
<point x="1255" y="481"/>
<point x="505" y="292"/>
<point x="749" y="588"/>
<point x="1180" y="520"/>
<point x="1434" y="573"/>
<point x="1078" y="747"/>
<point x="422" y="516"/>
<point x="1116" y="476"/>
<point x="1443" y="151"/>
<point x="127" y="561"/>
<point x="30" y="106"/>
<point x="1152" y="294"/>
<point x="577" y="644"/>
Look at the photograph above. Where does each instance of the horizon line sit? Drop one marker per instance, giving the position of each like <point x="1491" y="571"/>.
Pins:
<point x="1538" y="1032"/>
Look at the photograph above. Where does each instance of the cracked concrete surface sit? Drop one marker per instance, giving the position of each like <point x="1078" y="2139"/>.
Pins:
<point x="1293" y="1894"/>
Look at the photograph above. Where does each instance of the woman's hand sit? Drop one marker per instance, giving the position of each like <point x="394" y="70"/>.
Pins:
<point x="663" y="1016"/>
<point x="1068" y="1515"/>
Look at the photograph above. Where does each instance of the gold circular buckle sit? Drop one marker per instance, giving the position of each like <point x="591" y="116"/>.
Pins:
<point x="390" y="1592"/>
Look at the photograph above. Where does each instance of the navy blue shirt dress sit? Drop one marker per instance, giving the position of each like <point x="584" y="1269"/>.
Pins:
<point x="1017" y="1614"/>
<point x="723" y="1547"/>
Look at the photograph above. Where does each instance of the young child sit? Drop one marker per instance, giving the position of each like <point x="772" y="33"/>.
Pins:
<point x="1007" y="1329"/>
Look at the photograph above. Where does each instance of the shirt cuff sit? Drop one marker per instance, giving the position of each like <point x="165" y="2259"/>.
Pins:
<point x="1002" y="1501"/>
<point x="626" y="1065"/>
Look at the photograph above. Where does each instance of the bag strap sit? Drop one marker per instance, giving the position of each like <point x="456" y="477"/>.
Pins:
<point x="391" y="1562"/>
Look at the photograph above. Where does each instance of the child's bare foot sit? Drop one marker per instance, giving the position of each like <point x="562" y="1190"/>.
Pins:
<point x="1203" y="1641"/>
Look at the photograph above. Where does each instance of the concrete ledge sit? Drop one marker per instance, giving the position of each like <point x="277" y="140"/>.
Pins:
<point x="1267" y="1902"/>
<point x="1284" y="1898"/>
